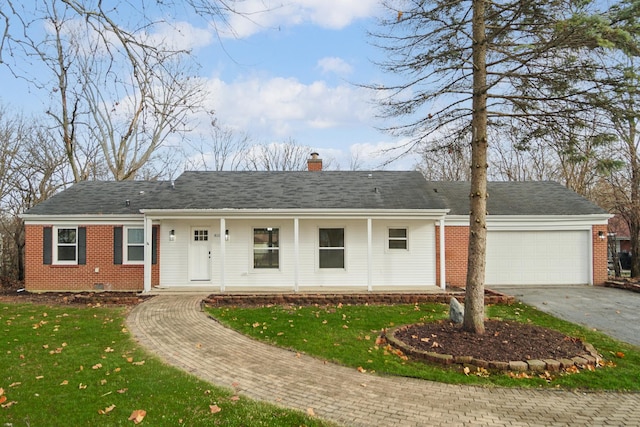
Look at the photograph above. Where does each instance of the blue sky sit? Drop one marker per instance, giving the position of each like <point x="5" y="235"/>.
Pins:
<point x="290" y="72"/>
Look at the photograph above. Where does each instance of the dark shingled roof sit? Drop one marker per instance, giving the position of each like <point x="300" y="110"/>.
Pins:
<point x="298" y="190"/>
<point x="249" y="190"/>
<point x="310" y="190"/>
<point x="517" y="198"/>
<point x="98" y="198"/>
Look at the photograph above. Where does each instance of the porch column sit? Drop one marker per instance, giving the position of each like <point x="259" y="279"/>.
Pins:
<point x="369" y="255"/>
<point x="223" y="247"/>
<point x="296" y="254"/>
<point x="443" y="273"/>
<point x="148" y="235"/>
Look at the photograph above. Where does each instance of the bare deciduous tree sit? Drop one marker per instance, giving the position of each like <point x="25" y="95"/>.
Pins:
<point x="220" y="149"/>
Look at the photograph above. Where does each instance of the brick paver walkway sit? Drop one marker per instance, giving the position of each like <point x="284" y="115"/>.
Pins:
<point x="177" y="330"/>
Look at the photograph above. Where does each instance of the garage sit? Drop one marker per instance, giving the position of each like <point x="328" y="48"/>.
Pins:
<point x="538" y="257"/>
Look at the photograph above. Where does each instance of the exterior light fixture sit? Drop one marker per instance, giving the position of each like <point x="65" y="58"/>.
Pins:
<point x="601" y="235"/>
<point x="172" y="236"/>
<point x="226" y="235"/>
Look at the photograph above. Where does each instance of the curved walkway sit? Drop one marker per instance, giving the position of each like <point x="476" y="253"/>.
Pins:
<point x="175" y="328"/>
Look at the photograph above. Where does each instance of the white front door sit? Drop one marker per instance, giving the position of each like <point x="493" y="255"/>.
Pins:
<point x="200" y="254"/>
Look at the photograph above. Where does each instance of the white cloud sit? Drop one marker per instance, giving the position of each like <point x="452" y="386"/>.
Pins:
<point x="281" y="107"/>
<point x="257" y="15"/>
<point x="335" y="65"/>
<point x="180" y="36"/>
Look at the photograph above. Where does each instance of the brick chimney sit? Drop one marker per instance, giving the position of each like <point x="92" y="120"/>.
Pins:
<point x="314" y="164"/>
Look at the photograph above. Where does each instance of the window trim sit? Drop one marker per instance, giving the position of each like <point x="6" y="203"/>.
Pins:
<point x="343" y="248"/>
<point x="126" y="244"/>
<point x="56" y="244"/>
<point x="272" y="249"/>
<point x="405" y="239"/>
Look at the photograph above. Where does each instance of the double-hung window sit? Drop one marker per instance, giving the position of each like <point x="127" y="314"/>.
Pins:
<point x="398" y="238"/>
<point x="331" y="250"/>
<point x="66" y="247"/>
<point x="266" y="247"/>
<point x="134" y="245"/>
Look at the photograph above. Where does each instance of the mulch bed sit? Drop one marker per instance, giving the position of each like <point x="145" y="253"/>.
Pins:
<point x="502" y="341"/>
<point x="73" y="298"/>
<point x="632" y="285"/>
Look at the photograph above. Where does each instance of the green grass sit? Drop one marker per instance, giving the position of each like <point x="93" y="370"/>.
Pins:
<point x="60" y="366"/>
<point x="347" y="335"/>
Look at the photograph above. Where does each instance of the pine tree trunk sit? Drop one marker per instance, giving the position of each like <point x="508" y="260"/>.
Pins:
<point x="474" y="297"/>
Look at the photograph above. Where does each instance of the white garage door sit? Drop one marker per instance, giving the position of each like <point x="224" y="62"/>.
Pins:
<point x="537" y="257"/>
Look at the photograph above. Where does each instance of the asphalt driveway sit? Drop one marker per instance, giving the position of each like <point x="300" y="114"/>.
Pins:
<point x="615" y="312"/>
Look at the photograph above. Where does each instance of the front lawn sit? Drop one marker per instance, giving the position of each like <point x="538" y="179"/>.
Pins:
<point x="346" y="334"/>
<point x="72" y="366"/>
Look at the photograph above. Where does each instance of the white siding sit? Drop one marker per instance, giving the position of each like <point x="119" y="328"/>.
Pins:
<point x="412" y="267"/>
<point x="391" y="268"/>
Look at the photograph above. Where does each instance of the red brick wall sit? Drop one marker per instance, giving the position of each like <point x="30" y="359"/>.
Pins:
<point x="40" y="277"/>
<point x="456" y="240"/>
<point x="599" y="255"/>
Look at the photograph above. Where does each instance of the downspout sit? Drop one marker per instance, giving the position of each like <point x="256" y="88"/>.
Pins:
<point x="443" y="273"/>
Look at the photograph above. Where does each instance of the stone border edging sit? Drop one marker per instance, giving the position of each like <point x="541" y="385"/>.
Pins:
<point x="589" y="357"/>
<point x="301" y="298"/>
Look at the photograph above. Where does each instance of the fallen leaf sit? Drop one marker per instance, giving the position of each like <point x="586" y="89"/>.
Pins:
<point x="39" y="377"/>
<point x="234" y="398"/>
<point x="97" y="366"/>
<point x="65" y="382"/>
<point x="361" y="369"/>
<point x="14" y="384"/>
<point x="137" y="416"/>
<point x="109" y="350"/>
<point x="198" y="345"/>
<point x="3" y="399"/>
<point x="106" y="410"/>
<point x="466" y="370"/>
<point x="123" y="390"/>
<point x="619" y="354"/>
<point x="1" y="391"/>
<point x="311" y="412"/>
<point x="214" y="409"/>
<point x="9" y="404"/>
<point x="82" y="386"/>
<point x="140" y="363"/>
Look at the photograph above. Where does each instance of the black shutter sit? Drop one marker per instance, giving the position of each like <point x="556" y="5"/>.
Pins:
<point x="47" y="242"/>
<point x="117" y="245"/>
<point x="82" y="245"/>
<point x="154" y="245"/>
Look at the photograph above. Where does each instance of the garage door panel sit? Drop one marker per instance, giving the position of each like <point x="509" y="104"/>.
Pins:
<point x="537" y="257"/>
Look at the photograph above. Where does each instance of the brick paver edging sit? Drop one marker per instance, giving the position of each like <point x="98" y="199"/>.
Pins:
<point x="231" y="299"/>
<point x="590" y="357"/>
